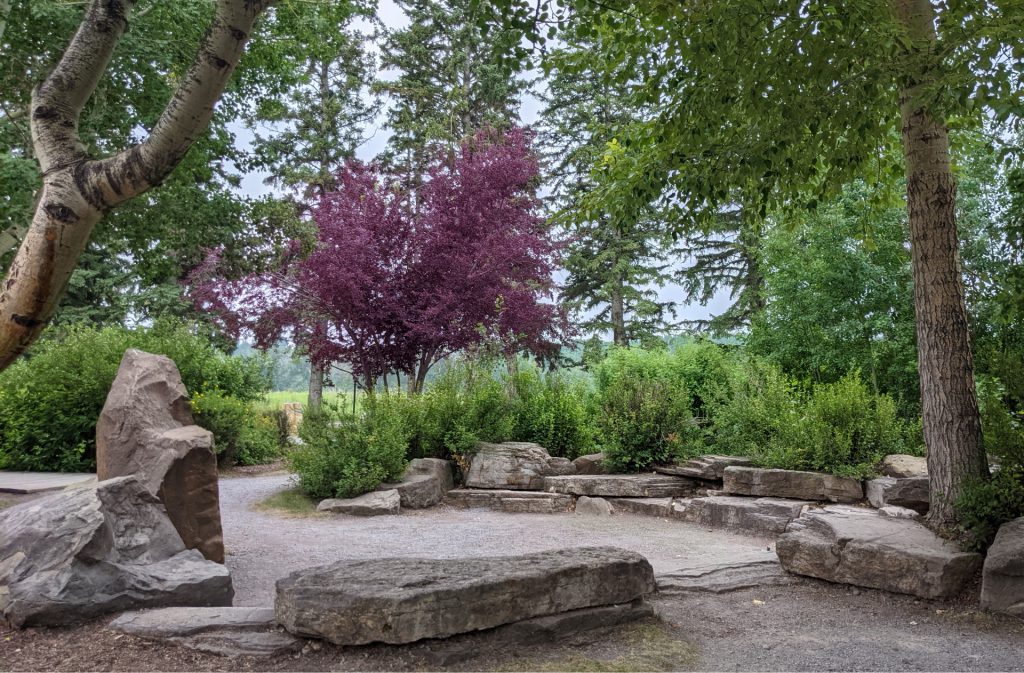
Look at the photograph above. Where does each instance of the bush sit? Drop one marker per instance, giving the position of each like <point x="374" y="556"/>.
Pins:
<point x="51" y="399"/>
<point x="644" y="409"/>
<point x="984" y="506"/>
<point x="551" y="411"/>
<point x="344" y="456"/>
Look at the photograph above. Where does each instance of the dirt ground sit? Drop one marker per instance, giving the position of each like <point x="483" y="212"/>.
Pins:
<point x="810" y="625"/>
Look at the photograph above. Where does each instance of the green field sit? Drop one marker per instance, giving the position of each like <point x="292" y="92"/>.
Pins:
<point x="274" y="399"/>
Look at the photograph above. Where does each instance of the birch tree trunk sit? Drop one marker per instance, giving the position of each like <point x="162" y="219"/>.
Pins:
<point x="949" y="404"/>
<point x="79" y="189"/>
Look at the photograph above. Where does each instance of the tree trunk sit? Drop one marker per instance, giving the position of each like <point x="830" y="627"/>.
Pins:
<point x="78" y="189"/>
<point x="618" y="315"/>
<point x="316" y="387"/>
<point x="949" y="404"/>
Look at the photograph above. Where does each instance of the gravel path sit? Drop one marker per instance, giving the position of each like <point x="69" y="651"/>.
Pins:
<point x="263" y="546"/>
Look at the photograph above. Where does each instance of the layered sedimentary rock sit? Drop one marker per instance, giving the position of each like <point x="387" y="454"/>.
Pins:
<point x="791" y="484"/>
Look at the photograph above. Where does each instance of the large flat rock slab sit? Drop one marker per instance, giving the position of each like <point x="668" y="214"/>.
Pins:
<point x="505" y="500"/>
<point x="24" y="483"/>
<point x="709" y="468"/>
<point x="78" y="554"/>
<point x="726" y="576"/>
<point x="645" y="506"/>
<point x="861" y="547"/>
<point x="514" y="465"/>
<point x="224" y="631"/>
<point x="1002" y="584"/>
<point x="374" y="503"/>
<point x="621" y="485"/>
<point x="761" y="516"/>
<point x="424" y="484"/>
<point x="402" y="600"/>
<point x="791" y="484"/>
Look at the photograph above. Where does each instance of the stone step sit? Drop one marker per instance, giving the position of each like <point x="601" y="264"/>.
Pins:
<point x="761" y="516"/>
<point x="791" y="484"/>
<point x="621" y="485"/>
<point x="510" y="501"/>
<point x="859" y="546"/>
<point x="645" y="506"/>
<point x="911" y="493"/>
<point x="708" y="468"/>
<point x="402" y="600"/>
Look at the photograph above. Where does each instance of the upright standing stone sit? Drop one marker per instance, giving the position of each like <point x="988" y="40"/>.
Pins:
<point x="1002" y="583"/>
<point x="146" y="429"/>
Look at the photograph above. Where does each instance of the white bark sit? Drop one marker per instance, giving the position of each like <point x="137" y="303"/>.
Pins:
<point x="78" y="189"/>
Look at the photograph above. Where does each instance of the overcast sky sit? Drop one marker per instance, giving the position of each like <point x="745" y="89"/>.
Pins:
<point x="253" y="183"/>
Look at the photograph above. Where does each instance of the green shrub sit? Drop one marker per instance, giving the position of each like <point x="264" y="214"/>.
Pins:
<point x="984" y="506"/>
<point x="551" y="411"/>
<point x="51" y="399"/>
<point x="260" y="441"/>
<point x="344" y="456"/>
<point x="644" y="409"/>
<point x="226" y="417"/>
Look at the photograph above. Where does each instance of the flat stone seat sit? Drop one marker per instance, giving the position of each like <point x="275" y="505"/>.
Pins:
<point x="910" y="492"/>
<point x="708" y="468"/>
<point x="859" y="546"/>
<point x="645" y="506"/>
<point x="224" y="631"/>
<point x="402" y="600"/>
<point x="726" y="576"/>
<point x="535" y="505"/>
<point x="791" y="484"/>
<point x="495" y="499"/>
<point x="621" y="485"/>
<point x="23" y="483"/>
<point x="762" y="516"/>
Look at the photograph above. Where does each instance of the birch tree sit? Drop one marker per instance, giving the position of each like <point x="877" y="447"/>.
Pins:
<point x="79" y="188"/>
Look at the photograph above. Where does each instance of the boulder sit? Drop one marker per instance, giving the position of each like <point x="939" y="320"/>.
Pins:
<point x="1002" y="583"/>
<point x="621" y="485"/>
<point x="81" y="553"/>
<point x="402" y="600"/>
<point x="645" y="506"/>
<point x="791" y="484"/>
<point x="374" y="503"/>
<point x="762" y="516"/>
<point x="224" y="631"/>
<point x="861" y="547"/>
<point x="587" y="506"/>
<point x="709" y="468"/>
<point x="514" y="465"/>
<point x="424" y="484"/>
<point x="293" y="413"/>
<point x="590" y="464"/>
<point x="910" y="493"/>
<point x="902" y="466"/>
<point x="146" y="429"/>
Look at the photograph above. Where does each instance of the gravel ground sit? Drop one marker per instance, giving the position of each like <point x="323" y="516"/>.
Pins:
<point x="263" y="546"/>
<point x="806" y="626"/>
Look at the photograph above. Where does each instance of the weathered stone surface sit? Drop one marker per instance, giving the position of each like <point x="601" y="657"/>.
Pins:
<point x="911" y="493"/>
<point x="898" y="512"/>
<point x="494" y="499"/>
<point x="762" y="516"/>
<point x="224" y="631"/>
<point x="375" y="503"/>
<point x="81" y="553"/>
<point x="646" y="506"/>
<point x="791" y="484"/>
<point x="723" y="577"/>
<point x="534" y="505"/>
<point x="555" y="627"/>
<point x="587" y="506"/>
<point x="859" y="546"/>
<point x="293" y="412"/>
<point x="424" y="484"/>
<point x="621" y="485"/>
<point x="146" y="429"/>
<point x="1002" y="584"/>
<point x="902" y="466"/>
<point x="590" y="464"/>
<point x="514" y="465"/>
<point x="404" y="600"/>
<point x="709" y="468"/>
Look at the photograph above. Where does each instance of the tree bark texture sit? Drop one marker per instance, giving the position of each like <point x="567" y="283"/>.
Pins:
<point x="316" y="387"/>
<point x="79" y="189"/>
<point x="949" y="404"/>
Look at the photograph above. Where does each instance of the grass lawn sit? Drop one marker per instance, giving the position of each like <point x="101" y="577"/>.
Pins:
<point x="291" y="502"/>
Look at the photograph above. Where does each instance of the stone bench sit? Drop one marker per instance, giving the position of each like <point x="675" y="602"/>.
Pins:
<point x="791" y="484"/>
<point x="621" y="485"/>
